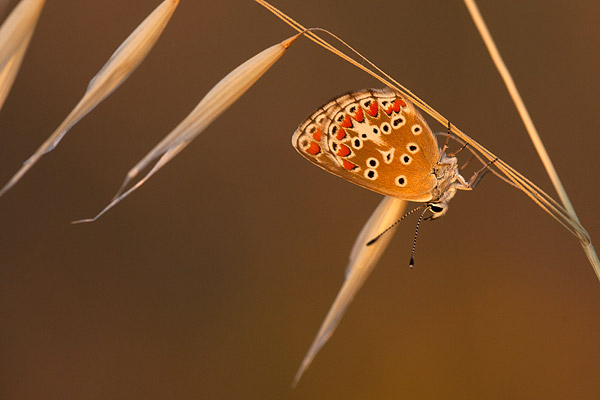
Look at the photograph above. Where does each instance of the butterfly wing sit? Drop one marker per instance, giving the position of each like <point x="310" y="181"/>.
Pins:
<point x="373" y="138"/>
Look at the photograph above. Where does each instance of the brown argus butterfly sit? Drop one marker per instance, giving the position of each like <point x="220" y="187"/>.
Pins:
<point x="378" y="140"/>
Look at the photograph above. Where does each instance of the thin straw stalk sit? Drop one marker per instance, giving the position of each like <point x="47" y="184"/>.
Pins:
<point x="529" y="126"/>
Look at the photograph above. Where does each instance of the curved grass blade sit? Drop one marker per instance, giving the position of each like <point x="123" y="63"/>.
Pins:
<point x="10" y="71"/>
<point x="216" y="101"/>
<point x="15" y="35"/>
<point x="121" y="64"/>
<point x="362" y="261"/>
<point x="17" y="28"/>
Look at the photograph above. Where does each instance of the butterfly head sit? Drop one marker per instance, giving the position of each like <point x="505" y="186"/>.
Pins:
<point x="449" y="180"/>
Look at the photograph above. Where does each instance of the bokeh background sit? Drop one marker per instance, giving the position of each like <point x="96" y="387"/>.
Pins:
<point x="211" y="281"/>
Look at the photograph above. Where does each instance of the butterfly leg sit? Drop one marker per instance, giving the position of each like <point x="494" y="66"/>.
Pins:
<point x="478" y="176"/>
<point x="447" y="138"/>
<point x="449" y="133"/>
<point x="464" y="146"/>
<point x="462" y="184"/>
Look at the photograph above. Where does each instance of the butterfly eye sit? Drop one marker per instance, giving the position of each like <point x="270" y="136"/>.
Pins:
<point x="373" y="162"/>
<point x="412" y="147"/>
<point x="401" y="180"/>
<point x="371" y="174"/>
<point x="405" y="159"/>
<point x="416" y="129"/>
<point x="386" y="128"/>
<point x="436" y="208"/>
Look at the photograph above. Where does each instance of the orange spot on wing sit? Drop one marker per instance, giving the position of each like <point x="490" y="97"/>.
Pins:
<point x="348" y="165"/>
<point x="401" y="102"/>
<point x="341" y="134"/>
<point x="397" y="105"/>
<point x="358" y="116"/>
<point x="317" y="135"/>
<point x="389" y="110"/>
<point x="372" y="111"/>
<point x="313" y="149"/>
<point x="347" y="122"/>
<point x="343" y="151"/>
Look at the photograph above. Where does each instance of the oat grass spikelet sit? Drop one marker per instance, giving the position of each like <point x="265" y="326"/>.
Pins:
<point x="121" y="64"/>
<point x="216" y="101"/>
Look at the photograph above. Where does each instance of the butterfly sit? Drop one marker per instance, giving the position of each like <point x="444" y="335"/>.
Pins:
<point x="377" y="139"/>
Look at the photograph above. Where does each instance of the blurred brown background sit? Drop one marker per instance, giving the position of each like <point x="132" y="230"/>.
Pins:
<point x="210" y="282"/>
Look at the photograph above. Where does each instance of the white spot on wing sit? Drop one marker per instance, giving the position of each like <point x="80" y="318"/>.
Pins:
<point x="386" y="128"/>
<point x="405" y="159"/>
<point x="372" y="162"/>
<point x="412" y="147"/>
<point x="387" y="156"/>
<point x="398" y="122"/>
<point x="401" y="180"/>
<point x="369" y="132"/>
<point x="371" y="174"/>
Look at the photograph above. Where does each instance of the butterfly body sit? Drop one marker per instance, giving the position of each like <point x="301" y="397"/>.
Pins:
<point x="378" y="140"/>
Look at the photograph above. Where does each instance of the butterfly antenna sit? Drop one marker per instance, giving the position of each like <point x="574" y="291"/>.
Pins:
<point x="412" y="254"/>
<point x="370" y="242"/>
